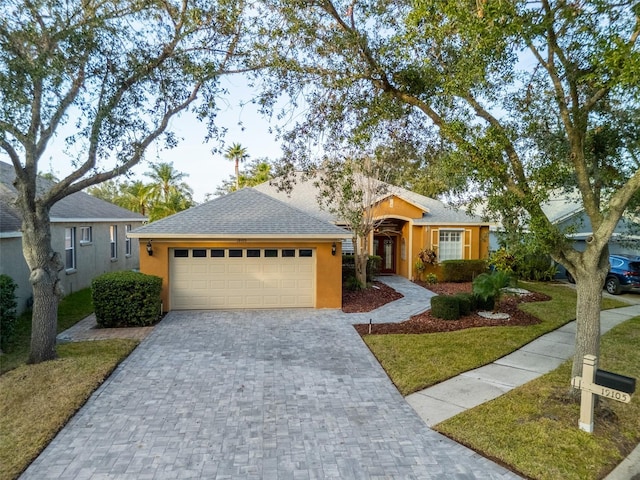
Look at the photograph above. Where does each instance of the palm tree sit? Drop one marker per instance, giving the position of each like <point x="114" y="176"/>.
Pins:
<point x="135" y="197"/>
<point x="237" y="153"/>
<point x="166" y="181"/>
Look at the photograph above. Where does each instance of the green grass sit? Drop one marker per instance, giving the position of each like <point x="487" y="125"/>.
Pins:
<point x="37" y="400"/>
<point x="534" y="428"/>
<point x="71" y="310"/>
<point x="414" y="362"/>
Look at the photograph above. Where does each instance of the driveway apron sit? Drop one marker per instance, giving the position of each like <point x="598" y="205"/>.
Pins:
<point x="286" y="394"/>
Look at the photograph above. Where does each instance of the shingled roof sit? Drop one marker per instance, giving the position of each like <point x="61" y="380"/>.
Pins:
<point x="245" y="213"/>
<point x="77" y="207"/>
<point x="304" y="195"/>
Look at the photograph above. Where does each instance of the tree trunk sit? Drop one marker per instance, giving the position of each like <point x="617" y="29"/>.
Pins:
<point x="237" y="174"/>
<point x="44" y="265"/>
<point x="589" y="281"/>
<point x="361" y="268"/>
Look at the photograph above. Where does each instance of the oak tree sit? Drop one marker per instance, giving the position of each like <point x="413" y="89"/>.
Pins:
<point x="512" y="90"/>
<point x="103" y="79"/>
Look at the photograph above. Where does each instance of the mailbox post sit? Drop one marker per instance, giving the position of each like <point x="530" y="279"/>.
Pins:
<point x="602" y="383"/>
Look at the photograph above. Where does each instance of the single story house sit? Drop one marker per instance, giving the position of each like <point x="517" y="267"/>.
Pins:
<point x="567" y="212"/>
<point x="244" y="250"/>
<point x="406" y="223"/>
<point x="89" y="233"/>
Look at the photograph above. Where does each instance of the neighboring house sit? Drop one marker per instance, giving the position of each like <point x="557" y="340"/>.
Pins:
<point x="568" y="214"/>
<point x="244" y="250"/>
<point x="566" y="211"/>
<point x="406" y="223"/>
<point x="90" y="235"/>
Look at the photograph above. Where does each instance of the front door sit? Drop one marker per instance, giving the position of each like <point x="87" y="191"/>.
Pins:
<point x="385" y="247"/>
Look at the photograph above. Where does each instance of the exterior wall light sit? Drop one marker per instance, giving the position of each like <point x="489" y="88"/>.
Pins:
<point x="333" y="249"/>
<point x="149" y="248"/>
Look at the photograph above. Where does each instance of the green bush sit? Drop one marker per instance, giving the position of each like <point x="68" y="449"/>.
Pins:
<point x="353" y="284"/>
<point x="126" y="299"/>
<point x="431" y="278"/>
<point x="8" y="306"/>
<point x="536" y="267"/>
<point x="488" y="286"/>
<point x="373" y="267"/>
<point x="465" y="303"/>
<point x="482" y="304"/>
<point x="462" y="270"/>
<point x="349" y="267"/>
<point x="446" y="307"/>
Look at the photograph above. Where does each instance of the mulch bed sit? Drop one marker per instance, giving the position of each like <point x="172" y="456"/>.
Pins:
<point x="426" y="323"/>
<point x="377" y="295"/>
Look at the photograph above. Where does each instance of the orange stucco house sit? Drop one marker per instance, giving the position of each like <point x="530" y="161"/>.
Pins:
<point x="406" y="223"/>
<point x="244" y="250"/>
<point x="263" y="248"/>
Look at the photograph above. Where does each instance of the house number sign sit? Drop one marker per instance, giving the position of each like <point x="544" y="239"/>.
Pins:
<point x="601" y="383"/>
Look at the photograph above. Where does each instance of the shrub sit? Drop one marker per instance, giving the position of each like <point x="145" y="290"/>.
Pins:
<point x="462" y="270"/>
<point x="465" y="303"/>
<point x="536" y="267"/>
<point x="349" y="267"/>
<point x="126" y="299"/>
<point x="353" y="284"/>
<point x="489" y="285"/>
<point x="479" y="303"/>
<point x="446" y="307"/>
<point x="8" y="306"/>
<point x="503" y="261"/>
<point x="373" y="267"/>
<point x="431" y="278"/>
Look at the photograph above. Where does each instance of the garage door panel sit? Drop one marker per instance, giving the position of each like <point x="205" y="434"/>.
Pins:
<point x="235" y="267"/>
<point x="242" y="282"/>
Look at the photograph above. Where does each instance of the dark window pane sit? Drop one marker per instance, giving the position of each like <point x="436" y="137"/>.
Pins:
<point x="271" y="253"/>
<point x="235" y="253"/>
<point x="217" y="252"/>
<point x="181" y="253"/>
<point x="253" y="253"/>
<point x="305" y="252"/>
<point x="289" y="252"/>
<point x="199" y="253"/>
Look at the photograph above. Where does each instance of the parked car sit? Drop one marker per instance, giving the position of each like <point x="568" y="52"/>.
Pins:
<point x="624" y="274"/>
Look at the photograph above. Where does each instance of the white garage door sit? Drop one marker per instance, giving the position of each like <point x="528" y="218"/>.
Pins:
<point x="220" y="278"/>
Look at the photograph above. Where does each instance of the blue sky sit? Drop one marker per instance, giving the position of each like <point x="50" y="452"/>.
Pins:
<point x="192" y="156"/>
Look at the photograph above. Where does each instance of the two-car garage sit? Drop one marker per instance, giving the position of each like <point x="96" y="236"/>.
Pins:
<point x="229" y="278"/>
<point x="244" y="250"/>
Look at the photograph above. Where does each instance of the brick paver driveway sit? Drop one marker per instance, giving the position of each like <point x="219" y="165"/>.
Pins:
<point x="287" y="394"/>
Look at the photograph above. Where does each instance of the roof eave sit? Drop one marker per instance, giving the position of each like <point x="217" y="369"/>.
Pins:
<point x="242" y="236"/>
<point x="97" y="220"/>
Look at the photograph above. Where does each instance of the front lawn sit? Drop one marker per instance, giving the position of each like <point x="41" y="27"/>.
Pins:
<point x="534" y="428"/>
<point x="71" y="310"/>
<point x="414" y="362"/>
<point x="37" y="400"/>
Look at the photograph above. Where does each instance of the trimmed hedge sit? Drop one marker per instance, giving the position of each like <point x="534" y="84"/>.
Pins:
<point x="446" y="307"/>
<point x="126" y="299"/>
<point x="8" y="305"/>
<point x="452" y="307"/>
<point x="466" y="303"/>
<point x="459" y="271"/>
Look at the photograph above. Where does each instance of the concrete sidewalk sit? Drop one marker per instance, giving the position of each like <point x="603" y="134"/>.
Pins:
<point x="472" y="388"/>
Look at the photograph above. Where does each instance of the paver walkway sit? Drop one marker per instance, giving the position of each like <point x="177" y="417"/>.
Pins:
<point x="287" y="394"/>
